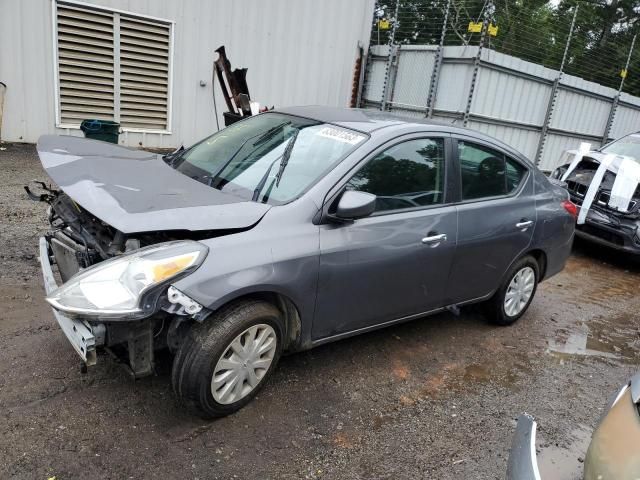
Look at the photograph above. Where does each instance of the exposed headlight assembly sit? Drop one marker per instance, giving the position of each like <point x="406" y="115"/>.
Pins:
<point x="117" y="288"/>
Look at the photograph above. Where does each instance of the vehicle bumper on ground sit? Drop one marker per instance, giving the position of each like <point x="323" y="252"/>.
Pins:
<point x="81" y="335"/>
<point x="522" y="464"/>
<point x="613" y="449"/>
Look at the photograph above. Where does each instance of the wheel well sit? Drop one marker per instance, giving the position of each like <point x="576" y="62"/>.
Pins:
<point x="290" y="313"/>
<point x="541" y="259"/>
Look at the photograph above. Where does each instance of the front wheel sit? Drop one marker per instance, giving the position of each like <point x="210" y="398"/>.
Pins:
<point x="515" y="294"/>
<point x="223" y="363"/>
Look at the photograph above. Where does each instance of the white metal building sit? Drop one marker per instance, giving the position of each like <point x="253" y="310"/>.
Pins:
<point x="148" y="63"/>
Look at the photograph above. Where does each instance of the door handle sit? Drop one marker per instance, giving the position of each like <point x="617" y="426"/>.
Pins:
<point x="524" y="225"/>
<point x="435" y="239"/>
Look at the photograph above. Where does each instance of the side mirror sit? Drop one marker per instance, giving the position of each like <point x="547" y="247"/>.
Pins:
<point x="354" y="204"/>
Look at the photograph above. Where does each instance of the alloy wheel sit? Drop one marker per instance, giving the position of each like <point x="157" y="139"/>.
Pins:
<point x="519" y="291"/>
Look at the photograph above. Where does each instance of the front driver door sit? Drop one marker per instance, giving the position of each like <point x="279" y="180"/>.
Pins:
<point x="394" y="263"/>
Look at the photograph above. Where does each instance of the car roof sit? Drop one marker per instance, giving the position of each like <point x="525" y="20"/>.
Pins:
<point x="363" y="120"/>
<point x="369" y="120"/>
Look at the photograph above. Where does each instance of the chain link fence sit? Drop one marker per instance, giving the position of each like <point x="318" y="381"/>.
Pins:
<point x="565" y="56"/>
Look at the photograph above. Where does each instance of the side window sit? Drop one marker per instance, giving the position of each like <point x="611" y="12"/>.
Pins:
<point x="486" y="172"/>
<point x="407" y="175"/>
<point x="515" y="174"/>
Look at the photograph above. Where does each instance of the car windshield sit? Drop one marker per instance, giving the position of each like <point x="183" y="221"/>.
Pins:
<point x="270" y="158"/>
<point x="628" y="146"/>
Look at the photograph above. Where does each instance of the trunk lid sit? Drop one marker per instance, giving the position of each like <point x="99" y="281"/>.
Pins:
<point x="136" y="191"/>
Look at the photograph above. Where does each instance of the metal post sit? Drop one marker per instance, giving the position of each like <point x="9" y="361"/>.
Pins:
<point x="387" y="70"/>
<point x="116" y="68"/>
<point x="364" y="66"/>
<point x="437" y="62"/>
<point x="3" y="89"/>
<point x="476" y="62"/>
<point x="554" y="92"/>
<point x="616" y="99"/>
<point x="364" y="77"/>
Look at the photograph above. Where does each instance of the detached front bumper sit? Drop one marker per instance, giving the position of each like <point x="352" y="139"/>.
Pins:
<point x="83" y="337"/>
<point x="522" y="463"/>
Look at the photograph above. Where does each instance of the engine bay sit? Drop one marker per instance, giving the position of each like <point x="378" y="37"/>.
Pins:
<point x="83" y="240"/>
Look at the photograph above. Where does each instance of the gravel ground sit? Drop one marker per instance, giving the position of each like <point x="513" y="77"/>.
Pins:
<point x="435" y="398"/>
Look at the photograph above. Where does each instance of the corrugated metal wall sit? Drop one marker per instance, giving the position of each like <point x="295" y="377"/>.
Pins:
<point x="297" y="52"/>
<point x="509" y="102"/>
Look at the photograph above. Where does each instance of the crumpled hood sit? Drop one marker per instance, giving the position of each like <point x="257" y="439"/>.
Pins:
<point x="136" y="191"/>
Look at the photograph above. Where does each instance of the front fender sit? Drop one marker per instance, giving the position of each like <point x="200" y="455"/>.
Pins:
<point x="280" y="255"/>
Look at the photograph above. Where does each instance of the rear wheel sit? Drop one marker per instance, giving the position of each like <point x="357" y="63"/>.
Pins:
<point x="515" y="294"/>
<point x="222" y="364"/>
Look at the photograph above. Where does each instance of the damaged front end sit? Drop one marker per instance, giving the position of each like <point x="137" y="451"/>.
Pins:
<point x="115" y="209"/>
<point x="77" y="239"/>
<point x="603" y="220"/>
<point x="115" y="290"/>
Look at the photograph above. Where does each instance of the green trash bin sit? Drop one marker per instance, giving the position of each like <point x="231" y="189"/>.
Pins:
<point x="104" y="130"/>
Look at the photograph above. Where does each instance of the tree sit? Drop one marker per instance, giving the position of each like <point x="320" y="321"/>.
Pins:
<point x="533" y="30"/>
<point x="601" y="39"/>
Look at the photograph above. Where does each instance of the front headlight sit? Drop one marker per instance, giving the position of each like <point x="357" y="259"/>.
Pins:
<point x="115" y="287"/>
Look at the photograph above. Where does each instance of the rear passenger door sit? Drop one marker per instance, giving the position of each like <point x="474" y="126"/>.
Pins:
<point x="496" y="217"/>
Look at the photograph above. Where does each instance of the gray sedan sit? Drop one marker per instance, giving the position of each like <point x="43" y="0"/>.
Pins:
<point x="284" y="231"/>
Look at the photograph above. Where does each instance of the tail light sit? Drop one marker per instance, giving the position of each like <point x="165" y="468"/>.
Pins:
<point x="570" y="207"/>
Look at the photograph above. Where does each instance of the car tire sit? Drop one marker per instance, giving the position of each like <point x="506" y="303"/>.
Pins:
<point x="226" y="346"/>
<point x="525" y="272"/>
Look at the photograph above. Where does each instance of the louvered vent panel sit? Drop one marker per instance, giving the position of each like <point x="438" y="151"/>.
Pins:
<point x="144" y="73"/>
<point x="85" y="62"/>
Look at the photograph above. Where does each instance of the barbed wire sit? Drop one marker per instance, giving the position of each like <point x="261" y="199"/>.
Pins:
<point x="538" y="34"/>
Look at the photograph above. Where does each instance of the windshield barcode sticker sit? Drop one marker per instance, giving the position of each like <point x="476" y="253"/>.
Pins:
<point x="340" y="135"/>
